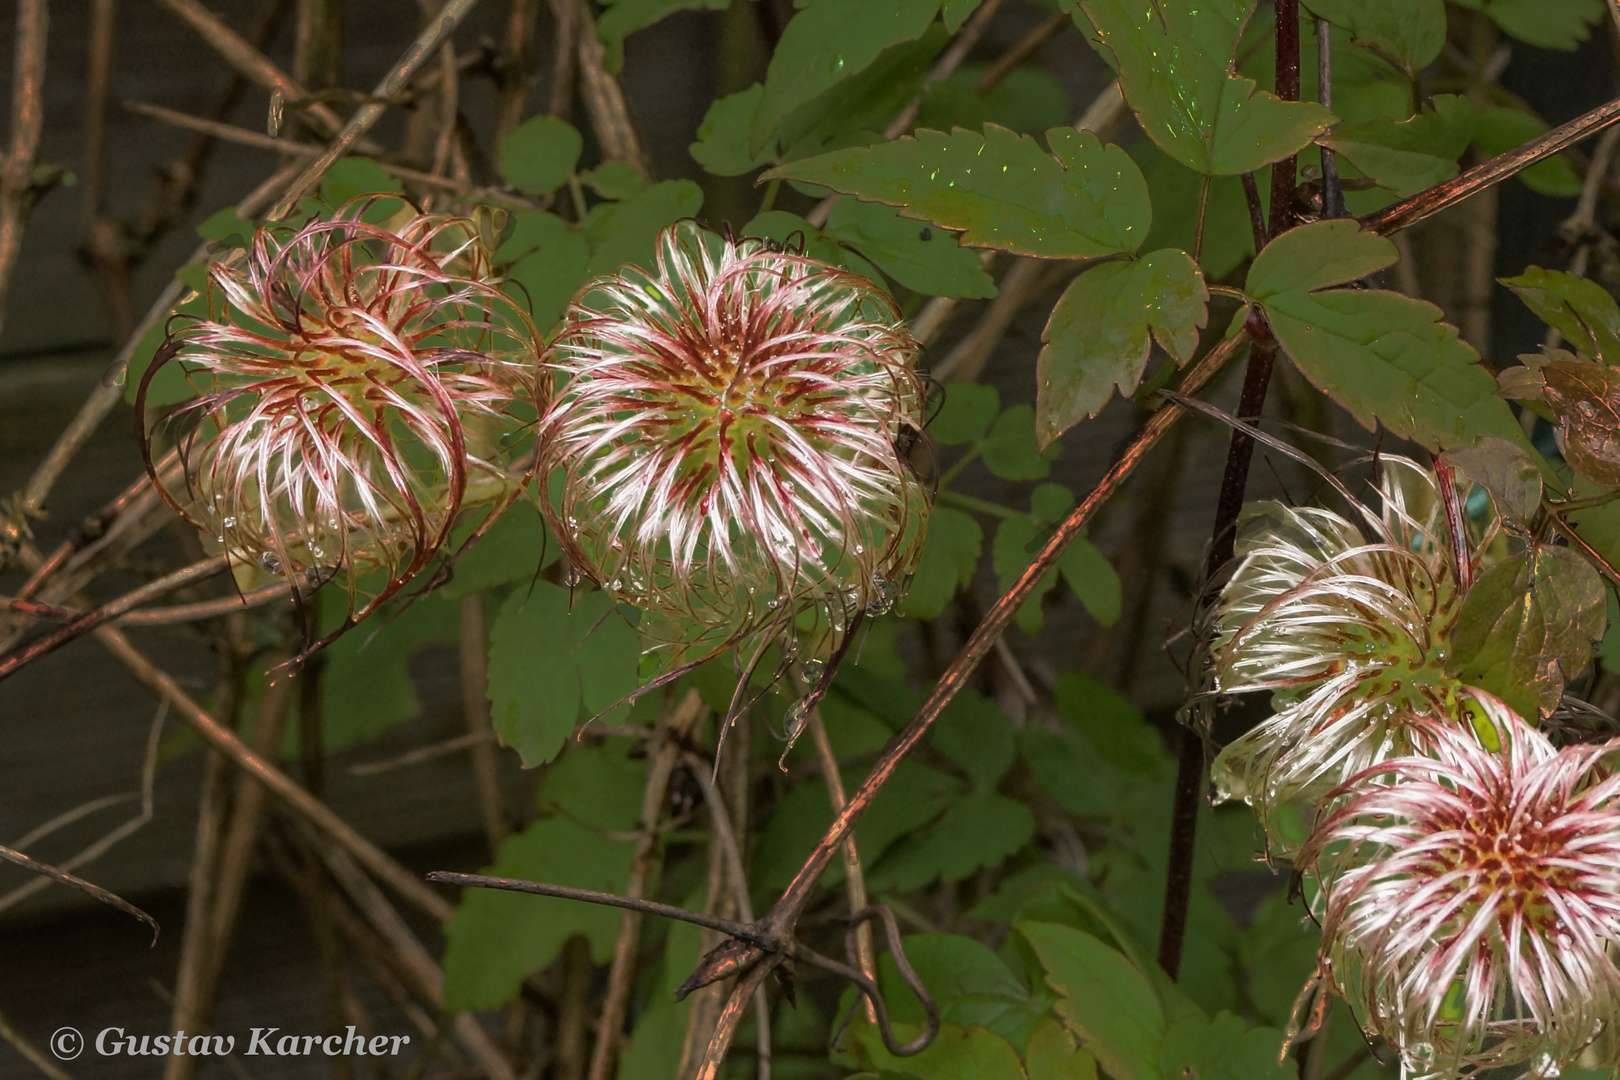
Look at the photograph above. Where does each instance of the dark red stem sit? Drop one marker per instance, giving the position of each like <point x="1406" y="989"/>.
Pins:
<point x="1190" y="768"/>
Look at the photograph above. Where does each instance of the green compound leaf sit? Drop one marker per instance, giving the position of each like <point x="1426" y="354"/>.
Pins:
<point x="975" y="733"/>
<point x="950" y="555"/>
<point x="626" y="232"/>
<point x="1527" y="625"/>
<point x="598" y="786"/>
<point x="1098" y="336"/>
<point x="615" y="180"/>
<point x="496" y="938"/>
<point x="1175" y="67"/>
<point x="1108" y="1004"/>
<point x="1580" y="309"/>
<point x="919" y="256"/>
<point x="1551" y="24"/>
<point x="1016" y="537"/>
<point x="1409" y="33"/>
<point x="1383" y="356"/>
<point x="1092" y="577"/>
<point x="827" y="41"/>
<point x="545" y="661"/>
<point x="956" y="1053"/>
<point x="966" y="413"/>
<point x="1496" y="131"/>
<point x="978" y="830"/>
<point x="955" y="13"/>
<point x="1051" y="1054"/>
<point x="971" y="985"/>
<point x="516" y="548"/>
<point x="1505" y="470"/>
<point x="625" y="17"/>
<point x="1010" y="451"/>
<point x="722" y="145"/>
<point x="539" y="154"/>
<point x="351" y="177"/>
<point x="1222" y="1049"/>
<point x="1409" y="155"/>
<point x="1001" y="189"/>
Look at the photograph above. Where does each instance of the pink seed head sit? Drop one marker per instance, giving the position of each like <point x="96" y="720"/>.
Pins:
<point x="722" y="443"/>
<point x="1470" y="898"/>
<point x="360" y="387"/>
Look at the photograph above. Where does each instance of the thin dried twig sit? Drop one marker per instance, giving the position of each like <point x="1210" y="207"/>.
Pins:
<point x="17" y="180"/>
<point x="420" y="52"/>
<point x="480" y="733"/>
<point x="604" y="97"/>
<point x="63" y="877"/>
<point x="1031" y="43"/>
<point x="514" y="69"/>
<point x="665" y="752"/>
<point x="854" y="876"/>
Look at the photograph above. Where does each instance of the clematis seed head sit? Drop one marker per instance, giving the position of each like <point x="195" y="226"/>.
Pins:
<point x="721" y="446"/>
<point x="360" y="384"/>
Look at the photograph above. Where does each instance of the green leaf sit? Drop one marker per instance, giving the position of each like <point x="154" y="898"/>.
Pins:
<point x="918" y="256"/>
<point x="1106" y="1001"/>
<point x="1505" y="470"/>
<point x="1175" y="67"/>
<point x="722" y="144"/>
<point x="1010" y="554"/>
<point x="1409" y="33"/>
<point x="1580" y="309"/>
<point x="1010" y="451"/>
<point x="1082" y="200"/>
<point x="496" y="938"/>
<point x="971" y="985"/>
<point x="352" y="177"/>
<point x="1092" y="577"/>
<point x="544" y="661"/>
<point x="539" y="154"/>
<point x="977" y="831"/>
<point x="598" y="786"/>
<point x="830" y="40"/>
<point x="1279" y="953"/>
<point x="1174" y="188"/>
<point x="1409" y="155"/>
<point x="625" y="17"/>
<point x="975" y="733"/>
<point x="1108" y="721"/>
<point x="1383" y="356"/>
<point x="228" y="228"/>
<point x="1552" y="24"/>
<point x="1496" y="131"/>
<point x="626" y="232"/>
<point x="955" y="1054"/>
<point x="966" y="413"/>
<point x="791" y="229"/>
<point x="1222" y="1049"/>
<point x="956" y="12"/>
<point x="1097" y="337"/>
<point x="1051" y="1054"/>
<point x="949" y="556"/>
<point x="366" y="684"/>
<point x="615" y="180"/>
<point x="550" y="263"/>
<point x="1528" y="624"/>
<point x="516" y="548"/>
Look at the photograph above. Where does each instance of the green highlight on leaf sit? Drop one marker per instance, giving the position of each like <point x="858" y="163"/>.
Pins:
<point x="1175" y="68"/>
<point x="1098" y="336"/>
<point x="1383" y="356"/>
<point x="1001" y="189"/>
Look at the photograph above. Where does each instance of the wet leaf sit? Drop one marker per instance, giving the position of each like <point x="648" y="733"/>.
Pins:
<point x="950" y="555"/>
<point x="1505" y="470"/>
<point x="828" y="41"/>
<point x="1106" y="1001"/>
<point x="1410" y="33"/>
<point x="1580" y="309"/>
<point x="921" y="257"/>
<point x="1098" y="336"/>
<point x="1409" y="155"/>
<point x="1223" y="1049"/>
<point x="1527" y="625"/>
<point x="539" y="154"/>
<point x="722" y="145"/>
<point x="1585" y="403"/>
<point x="1175" y="66"/>
<point x="1385" y="357"/>
<point x="1082" y="200"/>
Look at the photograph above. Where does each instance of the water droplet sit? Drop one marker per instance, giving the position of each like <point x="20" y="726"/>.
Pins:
<point x="229" y="523"/>
<point x="812" y="670"/>
<point x="271" y="562"/>
<point x="572" y="578"/>
<point x="315" y="550"/>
